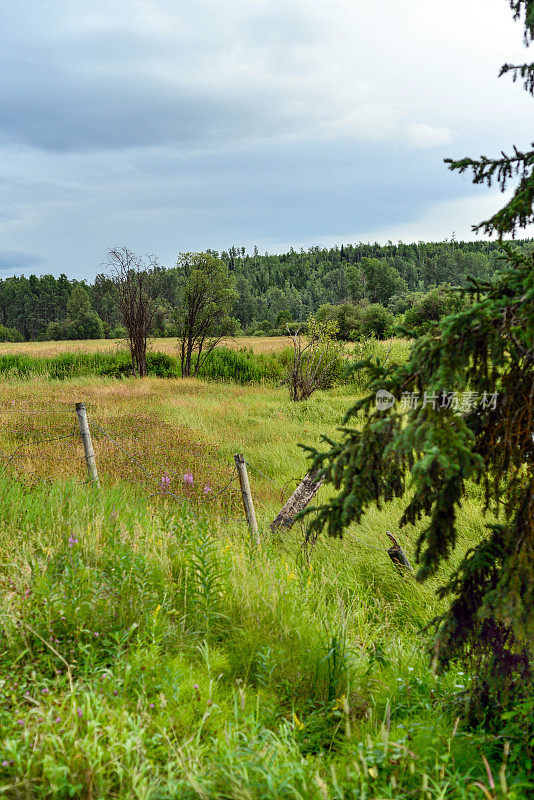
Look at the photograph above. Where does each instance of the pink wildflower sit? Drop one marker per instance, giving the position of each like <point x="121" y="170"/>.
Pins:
<point x="188" y="479"/>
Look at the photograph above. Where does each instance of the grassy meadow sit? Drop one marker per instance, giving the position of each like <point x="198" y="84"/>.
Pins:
<point x="259" y="344"/>
<point x="147" y="651"/>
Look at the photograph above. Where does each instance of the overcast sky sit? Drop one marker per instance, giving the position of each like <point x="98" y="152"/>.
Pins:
<point x="168" y="125"/>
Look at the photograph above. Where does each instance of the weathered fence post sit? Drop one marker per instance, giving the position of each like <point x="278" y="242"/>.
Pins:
<point x="303" y="494"/>
<point x="397" y="554"/>
<point x="241" y="465"/>
<point x="90" y="459"/>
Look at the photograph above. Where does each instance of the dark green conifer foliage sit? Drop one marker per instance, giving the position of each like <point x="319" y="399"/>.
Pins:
<point x="438" y="451"/>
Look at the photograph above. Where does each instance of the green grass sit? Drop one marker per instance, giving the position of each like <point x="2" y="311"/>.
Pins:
<point x="147" y="652"/>
<point x="242" y="366"/>
<point x="222" y="364"/>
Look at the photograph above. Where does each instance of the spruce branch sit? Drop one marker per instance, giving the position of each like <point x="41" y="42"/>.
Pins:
<point x="523" y="72"/>
<point x="525" y="9"/>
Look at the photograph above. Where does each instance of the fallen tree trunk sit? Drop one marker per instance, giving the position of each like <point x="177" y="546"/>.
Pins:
<point x="303" y="494"/>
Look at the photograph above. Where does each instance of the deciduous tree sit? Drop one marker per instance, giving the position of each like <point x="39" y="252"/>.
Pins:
<point x="316" y="358"/>
<point x="206" y="296"/>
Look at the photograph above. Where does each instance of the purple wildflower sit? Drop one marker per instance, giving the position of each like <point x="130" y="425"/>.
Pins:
<point x="5" y="763"/>
<point x="20" y="722"/>
<point x="165" y="482"/>
<point x="58" y="719"/>
<point x="188" y="479"/>
<point x="72" y="541"/>
<point x="207" y="489"/>
<point x="79" y="712"/>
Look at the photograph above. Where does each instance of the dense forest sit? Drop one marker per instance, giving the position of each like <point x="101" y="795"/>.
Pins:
<point x="273" y="290"/>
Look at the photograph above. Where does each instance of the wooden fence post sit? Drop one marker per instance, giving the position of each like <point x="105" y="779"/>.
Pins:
<point x="90" y="459"/>
<point x="398" y="556"/>
<point x="303" y="494"/>
<point x="241" y="465"/>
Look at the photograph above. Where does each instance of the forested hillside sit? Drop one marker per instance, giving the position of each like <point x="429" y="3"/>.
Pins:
<point x="272" y="289"/>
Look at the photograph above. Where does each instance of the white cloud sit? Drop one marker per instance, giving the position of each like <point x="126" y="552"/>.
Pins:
<point x="438" y="222"/>
<point x="423" y="135"/>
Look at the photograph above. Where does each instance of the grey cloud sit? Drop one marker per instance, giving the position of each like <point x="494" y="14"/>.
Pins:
<point x="171" y="125"/>
<point x="124" y="88"/>
<point x="13" y="261"/>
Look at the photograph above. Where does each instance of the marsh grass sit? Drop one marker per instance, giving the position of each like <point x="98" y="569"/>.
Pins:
<point x="148" y="652"/>
<point x="222" y="364"/>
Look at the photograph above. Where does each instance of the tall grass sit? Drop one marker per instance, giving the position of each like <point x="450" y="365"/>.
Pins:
<point x="223" y="364"/>
<point x="151" y="654"/>
<point x="146" y="651"/>
<point x="235" y="363"/>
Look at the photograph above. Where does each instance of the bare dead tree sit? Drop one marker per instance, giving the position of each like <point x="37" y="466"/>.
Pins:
<point x="131" y="277"/>
<point x="316" y="359"/>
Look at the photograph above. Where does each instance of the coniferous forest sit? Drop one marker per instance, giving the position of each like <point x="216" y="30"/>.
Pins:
<point x="273" y="290"/>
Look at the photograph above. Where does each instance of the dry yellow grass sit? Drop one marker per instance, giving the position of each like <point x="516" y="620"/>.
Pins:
<point x="259" y="344"/>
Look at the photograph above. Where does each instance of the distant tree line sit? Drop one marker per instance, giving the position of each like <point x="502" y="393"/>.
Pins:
<point x="364" y="287"/>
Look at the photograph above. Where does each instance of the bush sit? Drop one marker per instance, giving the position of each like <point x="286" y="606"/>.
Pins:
<point x="376" y="321"/>
<point x="264" y="326"/>
<point x="400" y="303"/>
<point x="431" y="307"/>
<point x="119" y="332"/>
<point x="346" y="316"/>
<point x="10" y="335"/>
<point x="87" y="326"/>
<point x="316" y="359"/>
<point x="282" y="320"/>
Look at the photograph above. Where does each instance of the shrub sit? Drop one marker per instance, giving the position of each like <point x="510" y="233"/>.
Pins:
<point x="266" y="325"/>
<point x="316" y="360"/>
<point x="10" y="334"/>
<point x="346" y="316"/>
<point x="431" y="307"/>
<point x="376" y="321"/>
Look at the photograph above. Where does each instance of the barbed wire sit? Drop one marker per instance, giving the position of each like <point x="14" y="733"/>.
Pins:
<point x="35" y="411"/>
<point x="12" y="455"/>
<point x="163" y="492"/>
<point x="134" y="458"/>
<point x="267" y="478"/>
